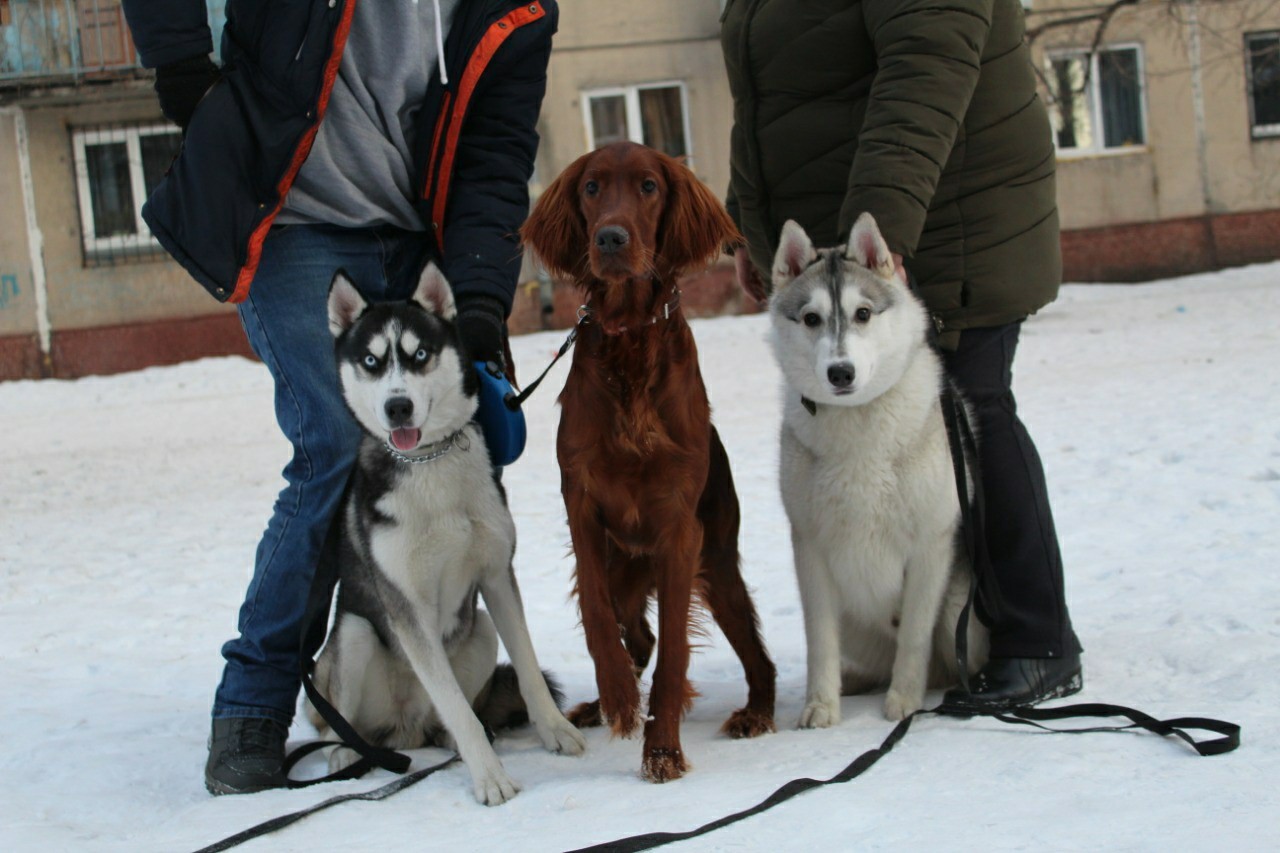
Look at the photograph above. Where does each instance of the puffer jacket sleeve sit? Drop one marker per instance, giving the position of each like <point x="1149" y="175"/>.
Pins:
<point x="928" y="56"/>
<point x="489" y="198"/>
<point x="166" y="31"/>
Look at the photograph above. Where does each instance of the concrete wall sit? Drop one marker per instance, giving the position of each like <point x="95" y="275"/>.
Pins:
<point x="1162" y="180"/>
<point x="137" y="290"/>
<point x="17" y="291"/>
<point x="604" y="43"/>
<point x="104" y="318"/>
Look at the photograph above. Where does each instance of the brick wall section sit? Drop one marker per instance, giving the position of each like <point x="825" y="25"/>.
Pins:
<point x="1119" y="253"/>
<point x="116" y="349"/>
<point x="1146" y="251"/>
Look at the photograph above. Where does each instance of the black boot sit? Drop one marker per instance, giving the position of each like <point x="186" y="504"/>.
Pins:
<point x="246" y="754"/>
<point x="1006" y="683"/>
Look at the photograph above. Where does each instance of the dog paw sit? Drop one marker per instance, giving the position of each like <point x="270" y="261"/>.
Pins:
<point x="586" y="715"/>
<point x="898" y="705"/>
<point x="663" y="765"/>
<point x="622" y="712"/>
<point x="493" y="787"/>
<point x="745" y="722"/>
<point x="820" y="714"/>
<point x="560" y="736"/>
<point x="341" y="758"/>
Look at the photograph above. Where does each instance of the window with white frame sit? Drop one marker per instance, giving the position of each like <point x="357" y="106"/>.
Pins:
<point x="1096" y="100"/>
<point x="117" y="166"/>
<point x="1262" y="51"/>
<point x="654" y="114"/>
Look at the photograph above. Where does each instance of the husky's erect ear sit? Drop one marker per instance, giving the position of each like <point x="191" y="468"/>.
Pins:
<point x="434" y="292"/>
<point x="867" y="247"/>
<point x="795" y="252"/>
<point x="345" y="303"/>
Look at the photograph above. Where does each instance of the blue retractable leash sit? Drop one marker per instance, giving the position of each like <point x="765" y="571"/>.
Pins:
<point x="502" y="423"/>
<point x="500" y="415"/>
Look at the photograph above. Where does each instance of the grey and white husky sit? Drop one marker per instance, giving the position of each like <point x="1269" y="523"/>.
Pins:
<point x="866" y="477"/>
<point x="411" y="659"/>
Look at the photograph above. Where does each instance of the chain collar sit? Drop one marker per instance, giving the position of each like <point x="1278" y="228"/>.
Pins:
<point x="670" y="307"/>
<point x="433" y="451"/>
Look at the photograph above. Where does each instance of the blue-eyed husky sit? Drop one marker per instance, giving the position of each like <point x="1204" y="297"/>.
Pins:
<point x="866" y="477"/>
<point x="425" y="530"/>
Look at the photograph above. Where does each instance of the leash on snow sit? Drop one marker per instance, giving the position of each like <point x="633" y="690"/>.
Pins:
<point x="1028" y="716"/>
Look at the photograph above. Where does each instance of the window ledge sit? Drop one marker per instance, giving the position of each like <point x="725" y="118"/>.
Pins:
<point x="1106" y="153"/>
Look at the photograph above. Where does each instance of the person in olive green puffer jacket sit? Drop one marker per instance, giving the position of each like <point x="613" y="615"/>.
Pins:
<point x="924" y="114"/>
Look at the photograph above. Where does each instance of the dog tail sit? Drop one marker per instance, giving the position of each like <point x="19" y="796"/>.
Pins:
<point x="503" y="707"/>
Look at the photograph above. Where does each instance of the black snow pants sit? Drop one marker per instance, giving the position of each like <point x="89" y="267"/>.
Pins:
<point x="1033" y="621"/>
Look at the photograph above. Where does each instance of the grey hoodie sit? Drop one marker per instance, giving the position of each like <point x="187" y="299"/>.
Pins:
<point x="358" y="172"/>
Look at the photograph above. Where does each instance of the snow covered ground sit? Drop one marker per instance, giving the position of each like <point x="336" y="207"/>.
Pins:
<point x="132" y="505"/>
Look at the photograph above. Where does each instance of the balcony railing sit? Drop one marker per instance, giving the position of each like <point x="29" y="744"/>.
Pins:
<point x="58" y="40"/>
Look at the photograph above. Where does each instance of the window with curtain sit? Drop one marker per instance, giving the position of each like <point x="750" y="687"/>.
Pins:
<point x="651" y="114"/>
<point x="1262" y="53"/>
<point x="1096" y="100"/>
<point x="116" y="167"/>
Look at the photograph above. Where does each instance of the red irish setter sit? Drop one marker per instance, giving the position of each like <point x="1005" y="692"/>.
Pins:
<point x="646" y="483"/>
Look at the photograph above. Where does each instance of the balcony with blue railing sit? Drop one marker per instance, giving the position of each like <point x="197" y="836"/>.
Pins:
<point x="66" y="41"/>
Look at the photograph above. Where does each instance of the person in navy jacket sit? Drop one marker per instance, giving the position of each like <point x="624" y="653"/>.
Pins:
<point x="370" y="136"/>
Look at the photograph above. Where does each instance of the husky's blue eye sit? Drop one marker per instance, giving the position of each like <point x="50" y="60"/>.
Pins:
<point x="371" y="362"/>
<point x="862" y="315"/>
<point x="421" y="355"/>
<point x="812" y="320"/>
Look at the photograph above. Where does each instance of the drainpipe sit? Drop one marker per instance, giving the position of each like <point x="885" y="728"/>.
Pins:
<point x="35" y="240"/>
<point x="1202" y="152"/>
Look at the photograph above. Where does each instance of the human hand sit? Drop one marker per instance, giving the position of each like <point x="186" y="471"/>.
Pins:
<point x="180" y="86"/>
<point x="481" y="326"/>
<point x="748" y="278"/>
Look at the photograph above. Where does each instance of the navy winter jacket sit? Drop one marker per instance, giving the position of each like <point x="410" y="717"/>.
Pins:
<point x="250" y="134"/>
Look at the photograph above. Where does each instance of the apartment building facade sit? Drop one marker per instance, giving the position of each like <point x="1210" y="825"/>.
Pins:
<point x="1167" y="118"/>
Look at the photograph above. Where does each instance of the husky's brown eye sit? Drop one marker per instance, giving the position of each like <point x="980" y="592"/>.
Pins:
<point x="812" y="320"/>
<point x="862" y="315"/>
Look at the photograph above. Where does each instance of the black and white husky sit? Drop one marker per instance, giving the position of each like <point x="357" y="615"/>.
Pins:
<point x="411" y="658"/>
<point x="866" y="477"/>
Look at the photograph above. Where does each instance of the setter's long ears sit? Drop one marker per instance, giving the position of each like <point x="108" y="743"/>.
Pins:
<point x="555" y="230"/>
<point x="695" y="227"/>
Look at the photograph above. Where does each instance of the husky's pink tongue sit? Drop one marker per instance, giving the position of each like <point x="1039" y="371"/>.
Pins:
<point x="405" y="438"/>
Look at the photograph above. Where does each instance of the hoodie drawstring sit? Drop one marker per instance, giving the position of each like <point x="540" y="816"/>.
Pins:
<point x="444" y="75"/>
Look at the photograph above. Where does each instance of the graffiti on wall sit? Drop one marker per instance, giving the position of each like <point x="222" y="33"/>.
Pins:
<point x="8" y="289"/>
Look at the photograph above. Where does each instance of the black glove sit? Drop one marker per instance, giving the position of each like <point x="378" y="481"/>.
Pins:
<point x="483" y="330"/>
<point x="180" y="86"/>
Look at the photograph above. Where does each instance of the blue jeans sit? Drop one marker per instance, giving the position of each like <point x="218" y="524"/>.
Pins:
<point x="286" y="320"/>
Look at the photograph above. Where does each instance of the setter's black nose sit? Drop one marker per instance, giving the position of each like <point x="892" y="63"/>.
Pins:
<point x="612" y="238"/>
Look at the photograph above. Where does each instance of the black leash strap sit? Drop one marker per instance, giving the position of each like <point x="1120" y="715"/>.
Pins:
<point x="793" y="788"/>
<point x="515" y="401"/>
<point x="284" y="820"/>
<point x="964" y="446"/>
<point x="1229" y="740"/>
